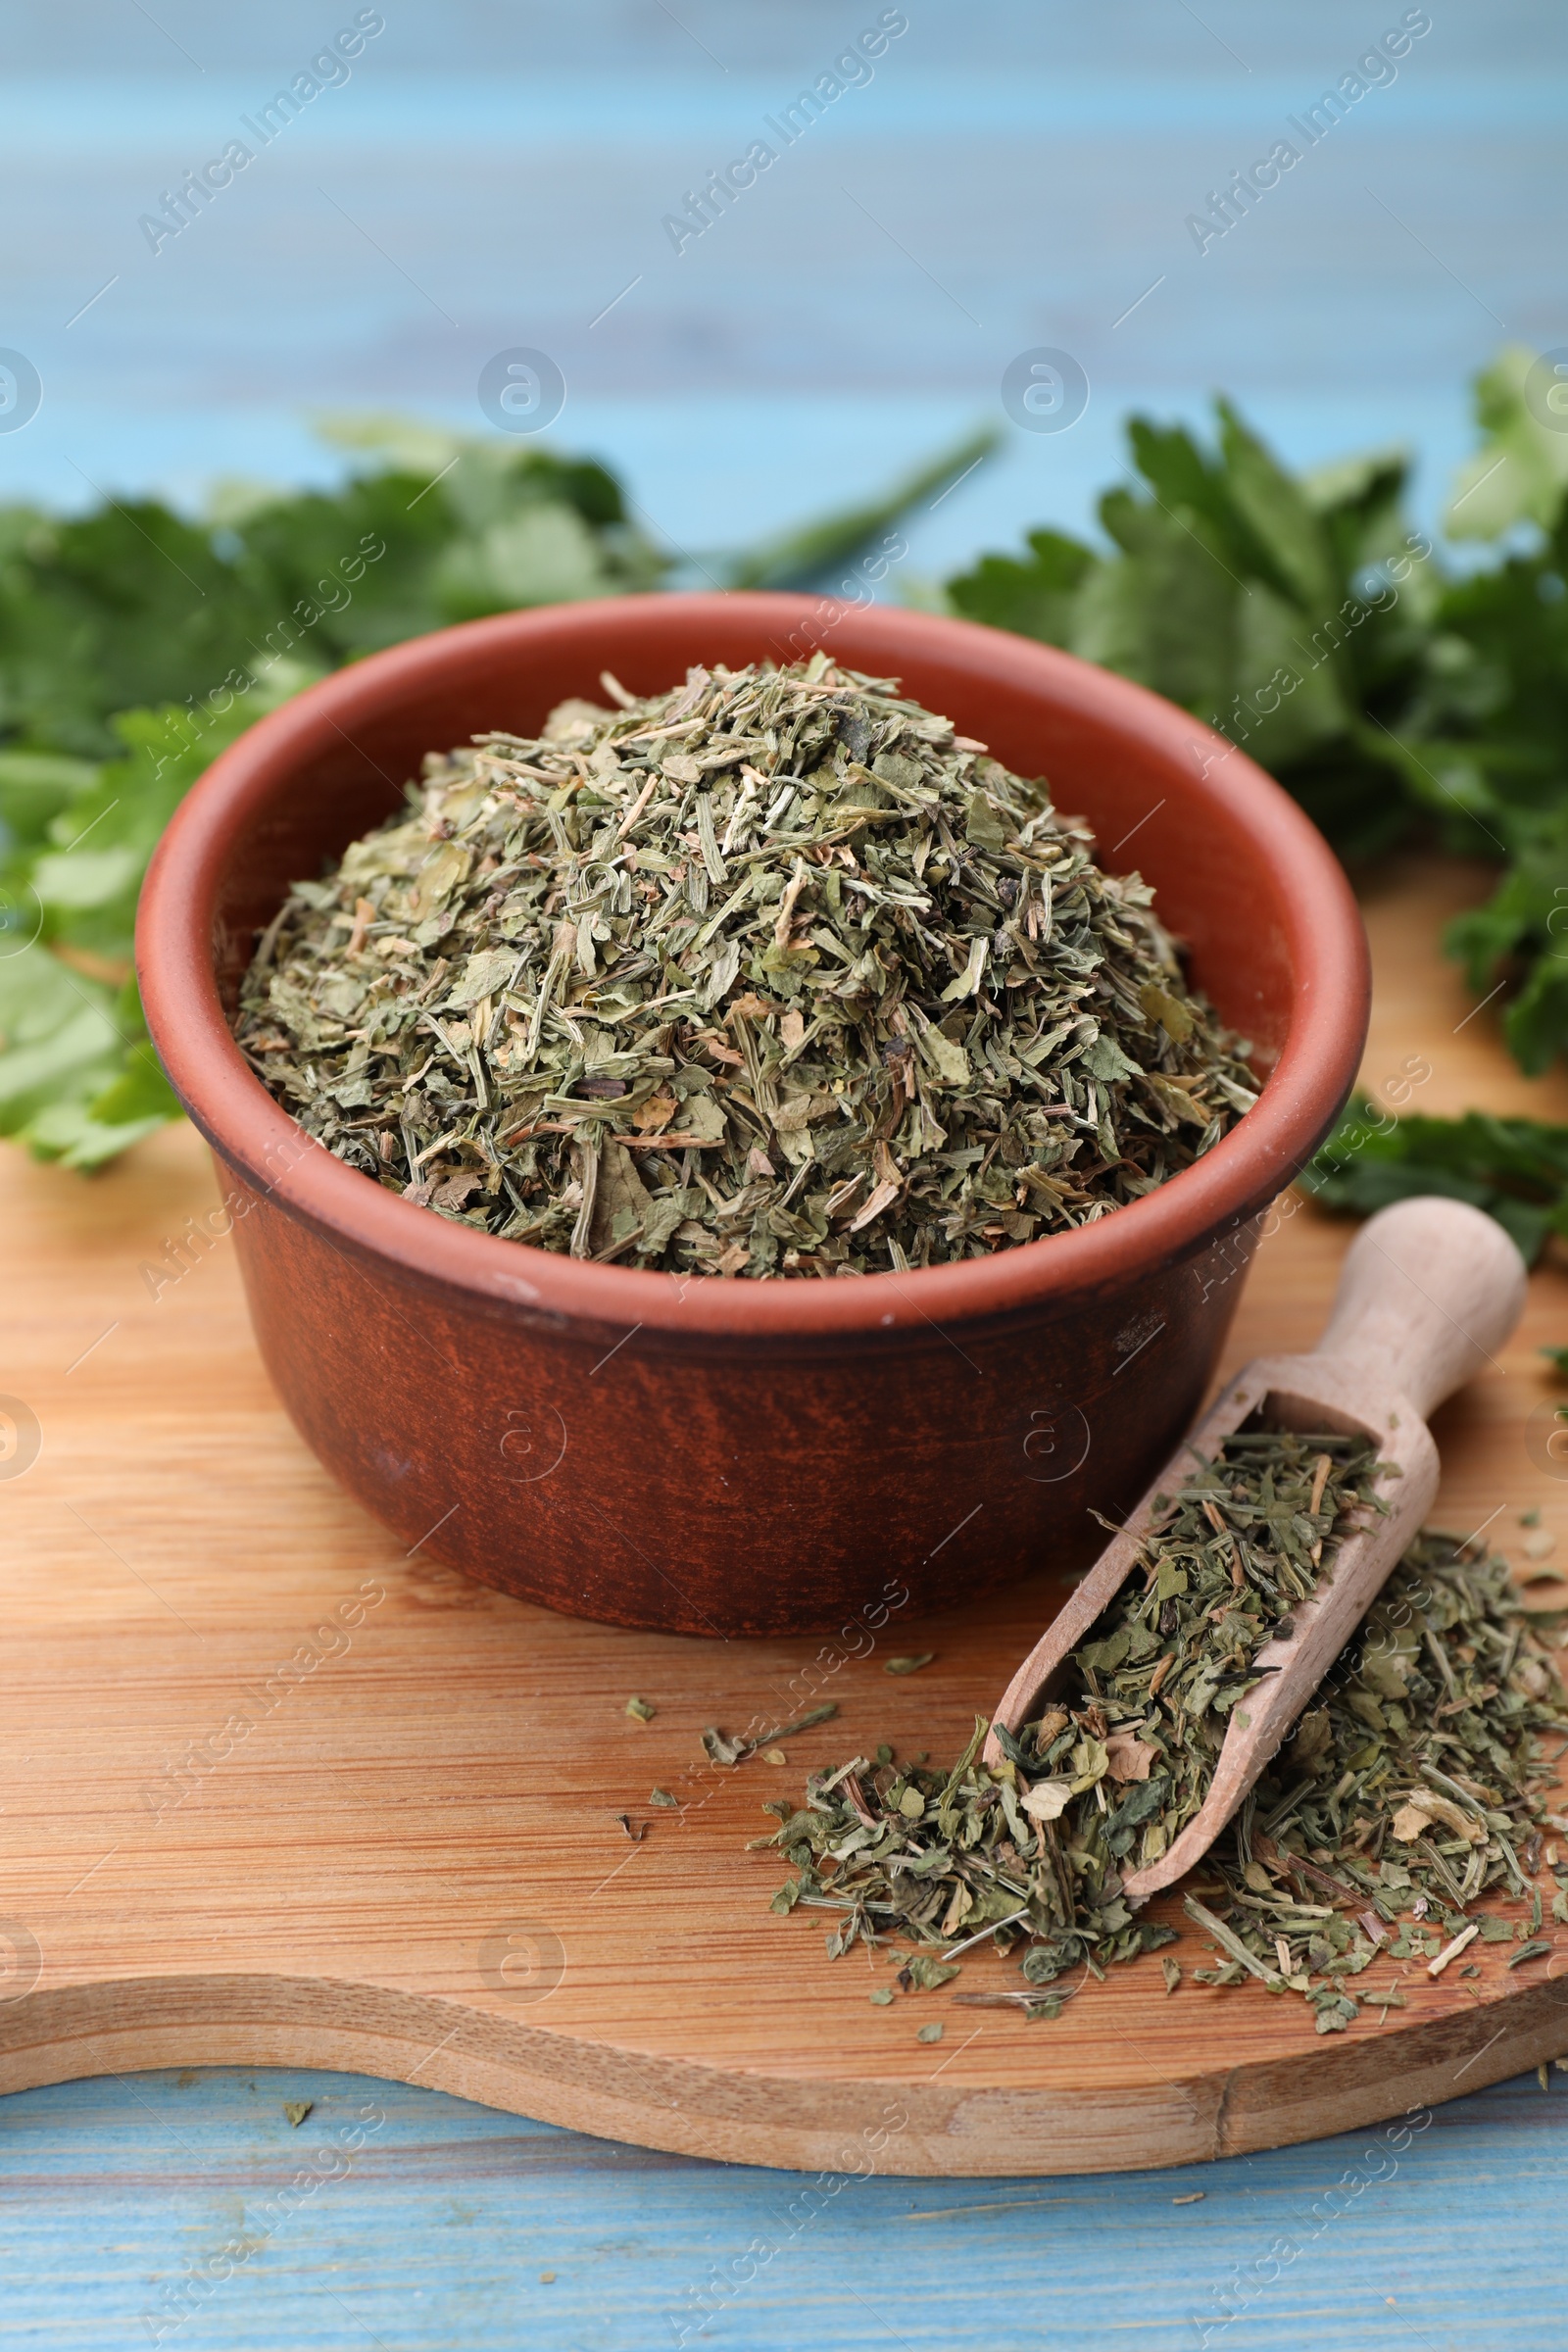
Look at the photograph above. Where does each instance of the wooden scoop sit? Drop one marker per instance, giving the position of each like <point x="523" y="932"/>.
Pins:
<point x="1429" y="1291"/>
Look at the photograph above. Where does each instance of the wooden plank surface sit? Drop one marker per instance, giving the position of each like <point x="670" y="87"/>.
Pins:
<point x="438" y="2235"/>
<point x="276" y="1794"/>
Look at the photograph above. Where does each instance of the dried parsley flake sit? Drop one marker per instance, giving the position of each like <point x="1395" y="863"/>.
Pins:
<point x="771" y="974"/>
<point x="1418" y="1785"/>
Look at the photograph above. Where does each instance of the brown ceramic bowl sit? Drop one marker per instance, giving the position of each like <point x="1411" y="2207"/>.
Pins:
<point x="722" y="1456"/>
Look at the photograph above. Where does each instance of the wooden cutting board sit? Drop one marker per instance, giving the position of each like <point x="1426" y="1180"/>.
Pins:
<point x="276" y="1794"/>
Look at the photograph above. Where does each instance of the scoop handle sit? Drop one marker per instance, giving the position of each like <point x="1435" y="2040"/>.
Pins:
<point x="1429" y="1291"/>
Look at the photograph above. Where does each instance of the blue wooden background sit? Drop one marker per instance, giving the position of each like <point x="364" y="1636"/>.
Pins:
<point x="457" y="2229"/>
<point x="1017" y="173"/>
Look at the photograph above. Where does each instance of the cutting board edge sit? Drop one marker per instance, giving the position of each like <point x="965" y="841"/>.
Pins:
<point x="889" y="2126"/>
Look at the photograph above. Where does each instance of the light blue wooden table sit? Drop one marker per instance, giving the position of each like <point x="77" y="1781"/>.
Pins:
<point x="1017" y="173"/>
<point x="458" y="2230"/>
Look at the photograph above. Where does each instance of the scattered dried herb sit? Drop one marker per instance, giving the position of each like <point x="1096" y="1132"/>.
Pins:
<point x="1420" y="1783"/>
<point x="641" y="1709"/>
<point x="1105" y="1779"/>
<point x="723" y="1750"/>
<point x="1450" y="1951"/>
<point x="771" y="974"/>
<point x="910" y="1665"/>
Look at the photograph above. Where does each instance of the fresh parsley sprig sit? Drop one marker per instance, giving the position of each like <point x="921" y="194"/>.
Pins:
<point x="1394" y="692"/>
<point x="136" y="643"/>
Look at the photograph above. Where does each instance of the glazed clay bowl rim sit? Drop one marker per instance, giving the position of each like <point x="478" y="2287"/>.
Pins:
<point x="1324" y="944"/>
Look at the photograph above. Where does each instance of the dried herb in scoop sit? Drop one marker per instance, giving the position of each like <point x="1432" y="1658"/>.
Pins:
<point x="1107" y="1778"/>
<point x="771" y="974"/>
<point x="1418" y="1786"/>
<point x="1227" y="1558"/>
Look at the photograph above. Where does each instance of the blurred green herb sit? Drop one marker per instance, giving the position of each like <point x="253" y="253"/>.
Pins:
<point x="807" y="558"/>
<point x="1391" y="692"/>
<point x="136" y="643"/>
<point x="78" y="1079"/>
<point x="1515" y="1169"/>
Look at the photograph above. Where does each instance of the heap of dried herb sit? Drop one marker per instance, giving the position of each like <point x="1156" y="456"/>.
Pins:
<point x="769" y="974"/>
<point x="1421" y="1784"/>
<point x="1417" y="1786"/>
<point x="1105" y="1780"/>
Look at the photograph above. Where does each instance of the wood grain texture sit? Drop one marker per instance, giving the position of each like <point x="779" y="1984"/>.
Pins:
<point x="453" y="2226"/>
<point x="419" y="1786"/>
<point x="1429" y="1291"/>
